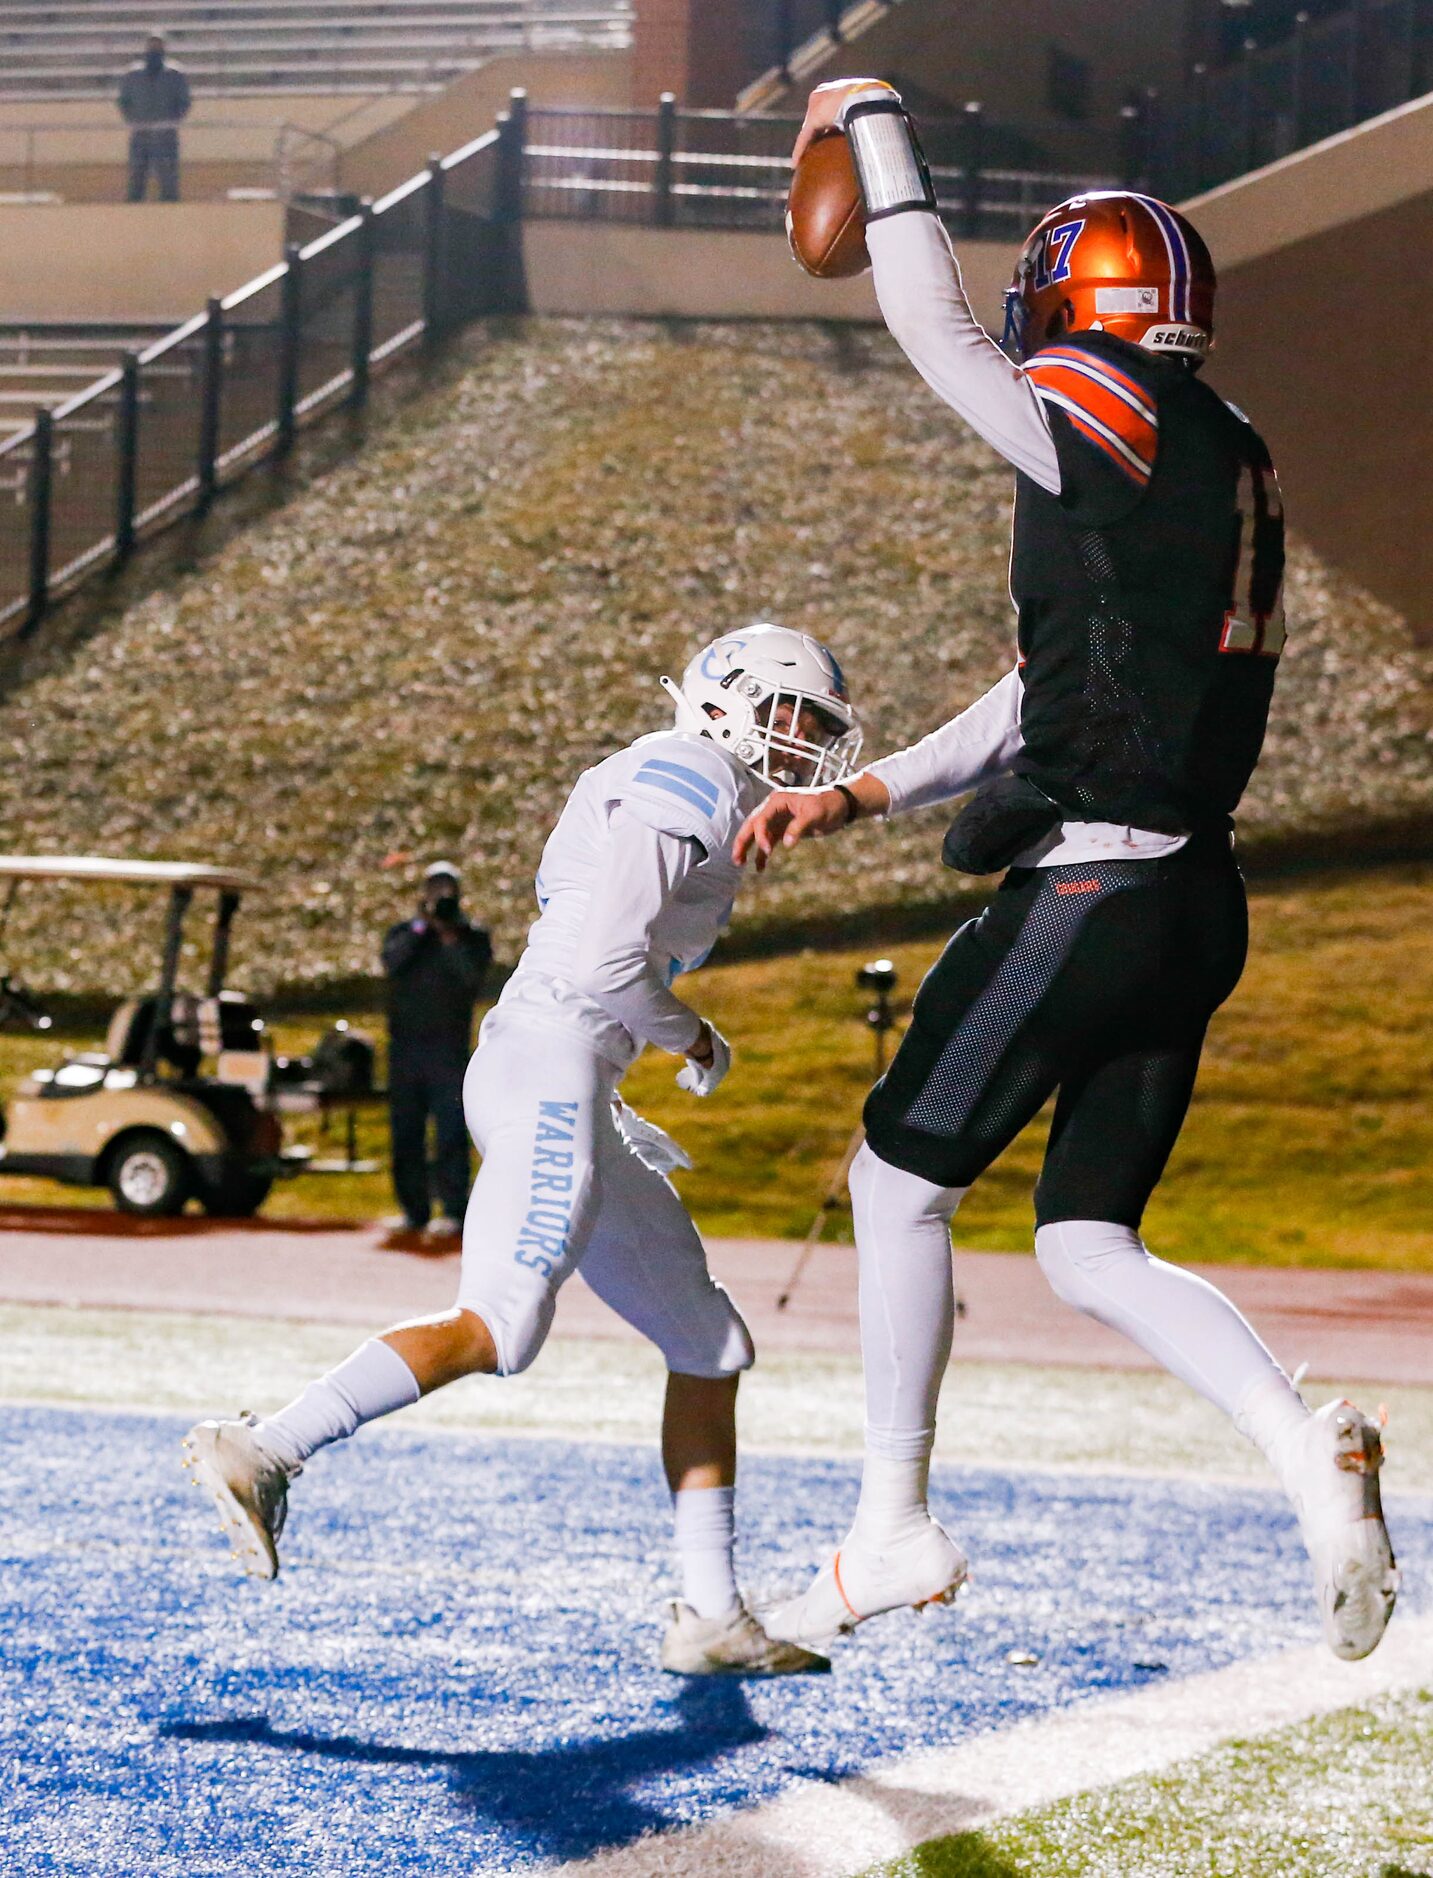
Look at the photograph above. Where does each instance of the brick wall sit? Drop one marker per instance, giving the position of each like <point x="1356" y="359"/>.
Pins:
<point x="694" y="48"/>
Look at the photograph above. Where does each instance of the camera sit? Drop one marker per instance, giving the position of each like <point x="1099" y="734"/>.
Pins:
<point x="878" y="976"/>
<point x="445" y="907"/>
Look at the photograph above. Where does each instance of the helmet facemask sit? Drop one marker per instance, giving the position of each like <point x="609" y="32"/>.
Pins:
<point x="797" y="741"/>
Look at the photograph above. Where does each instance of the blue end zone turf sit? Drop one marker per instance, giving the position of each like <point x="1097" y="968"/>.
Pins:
<point x="456" y="1672"/>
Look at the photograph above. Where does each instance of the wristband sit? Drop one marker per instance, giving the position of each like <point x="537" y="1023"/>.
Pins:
<point x="887" y="158"/>
<point x="853" y="806"/>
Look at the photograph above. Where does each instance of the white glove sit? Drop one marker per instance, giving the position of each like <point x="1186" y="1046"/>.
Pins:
<point x="652" y="1146"/>
<point x="700" y="1079"/>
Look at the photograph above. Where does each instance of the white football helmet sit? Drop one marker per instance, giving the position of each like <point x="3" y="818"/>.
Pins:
<point x="777" y="700"/>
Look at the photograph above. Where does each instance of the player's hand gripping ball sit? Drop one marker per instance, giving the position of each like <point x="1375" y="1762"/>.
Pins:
<point x="825" y="217"/>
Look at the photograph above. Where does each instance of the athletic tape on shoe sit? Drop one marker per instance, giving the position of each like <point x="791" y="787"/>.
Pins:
<point x="888" y="161"/>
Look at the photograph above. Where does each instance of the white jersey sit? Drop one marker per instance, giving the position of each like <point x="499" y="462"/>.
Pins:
<point x="635" y="886"/>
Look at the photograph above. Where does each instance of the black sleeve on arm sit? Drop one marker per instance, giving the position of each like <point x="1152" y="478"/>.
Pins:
<point x="402" y="947"/>
<point x="1095" y="490"/>
<point x="475" y="955"/>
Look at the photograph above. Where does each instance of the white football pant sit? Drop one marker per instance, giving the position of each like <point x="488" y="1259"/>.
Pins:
<point x="559" y="1188"/>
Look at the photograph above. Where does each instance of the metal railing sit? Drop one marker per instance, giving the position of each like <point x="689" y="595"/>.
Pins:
<point x="80" y="159"/>
<point x="1329" y="75"/>
<point x="158" y="436"/>
<point x="713" y="169"/>
<point x="235" y="47"/>
<point x="305" y="162"/>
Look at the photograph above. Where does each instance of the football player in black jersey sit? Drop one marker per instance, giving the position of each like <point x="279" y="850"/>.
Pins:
<point x="1146" y="571"/>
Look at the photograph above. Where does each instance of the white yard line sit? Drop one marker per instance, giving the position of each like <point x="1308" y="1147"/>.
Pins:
<point x="819" y="1830"/>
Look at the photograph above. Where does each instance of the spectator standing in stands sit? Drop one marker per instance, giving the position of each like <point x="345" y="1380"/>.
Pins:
<point x="436" y="964"/>
<point x="154" y="101"/>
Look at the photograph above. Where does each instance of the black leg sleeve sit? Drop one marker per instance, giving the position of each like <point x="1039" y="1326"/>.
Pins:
<point x="408" y="1123"/>
<point x="452" y="1166"/>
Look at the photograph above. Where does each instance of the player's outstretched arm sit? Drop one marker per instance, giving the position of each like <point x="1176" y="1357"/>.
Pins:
<point x="789" y="816"/>
<point x="917" y="279"/>
<point x="981" y="742"/>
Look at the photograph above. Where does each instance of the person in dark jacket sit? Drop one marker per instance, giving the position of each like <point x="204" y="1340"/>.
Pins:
<point x="154" y="101"/>
<point x="436" y="964"/>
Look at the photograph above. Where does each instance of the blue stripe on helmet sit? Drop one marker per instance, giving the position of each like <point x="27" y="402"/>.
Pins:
<point x="1179" y="248"/>
<point x="693" y="778"/>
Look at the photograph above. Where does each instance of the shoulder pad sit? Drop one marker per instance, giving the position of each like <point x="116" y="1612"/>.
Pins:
<point x="1109" y="410"/>
<point x="675" y="784"/>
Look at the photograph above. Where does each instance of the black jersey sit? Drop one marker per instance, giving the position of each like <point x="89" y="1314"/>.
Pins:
<point x="1148" y="592"/>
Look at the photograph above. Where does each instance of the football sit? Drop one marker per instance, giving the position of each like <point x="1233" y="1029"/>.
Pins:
<point x="825" y="218"/>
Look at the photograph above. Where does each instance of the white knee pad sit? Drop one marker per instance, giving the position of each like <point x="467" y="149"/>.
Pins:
<point x="1081" y="1258"/>
<point x="894" y="1197"/>
<point x="712" y="1343"/>
<point x="695" y="1325"/>
<point x="518" y="1325"/>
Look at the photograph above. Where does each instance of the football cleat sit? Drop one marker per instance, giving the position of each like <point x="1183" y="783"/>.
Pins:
<point x="923" y="1566"/>
<point x="1330" y="1471"/>
<point x="730" y="1646"/>
<point x="248" y="1485"/>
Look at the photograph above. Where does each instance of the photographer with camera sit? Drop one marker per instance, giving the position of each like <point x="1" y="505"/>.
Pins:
<point x="436" y="964"/>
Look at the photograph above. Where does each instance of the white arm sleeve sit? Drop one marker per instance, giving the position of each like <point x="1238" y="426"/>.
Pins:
<point x="639" y="870"/>
<point x="981" y="743"/>
<point x="923" y="303"/>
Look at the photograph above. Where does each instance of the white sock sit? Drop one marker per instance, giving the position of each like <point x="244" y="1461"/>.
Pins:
<point x="1270" y="1414"/>
<point x="893" y="1492"/>
<point x="372" y="1382"/>
<point x="704" y="1526"/>
<point x="1183" y="1322"/>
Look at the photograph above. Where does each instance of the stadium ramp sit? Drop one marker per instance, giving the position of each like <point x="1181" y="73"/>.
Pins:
<point x="1323" y="262"/>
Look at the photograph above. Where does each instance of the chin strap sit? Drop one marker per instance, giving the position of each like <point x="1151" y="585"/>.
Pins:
<point x="1012" y="340"/>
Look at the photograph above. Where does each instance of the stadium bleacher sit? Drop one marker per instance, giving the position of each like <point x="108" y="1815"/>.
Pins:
<point x="40" y="366"/>
<point x="77" y="49"/>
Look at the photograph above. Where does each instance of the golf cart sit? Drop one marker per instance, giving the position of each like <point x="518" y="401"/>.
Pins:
<point x="177" y="1104"/>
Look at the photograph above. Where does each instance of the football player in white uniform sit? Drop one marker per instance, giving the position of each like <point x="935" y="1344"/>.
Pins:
<point x="636" y="883"/>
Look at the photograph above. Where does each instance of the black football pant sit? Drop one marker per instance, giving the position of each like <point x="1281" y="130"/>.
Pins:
<point x="157" y="151"/>
<point x="419" y="1086"/>
<point x="1098" y="981"/>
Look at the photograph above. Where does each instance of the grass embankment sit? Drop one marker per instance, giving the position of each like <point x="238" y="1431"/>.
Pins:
<point x="419" y="653"/>
<point x="1310" y="1141"/>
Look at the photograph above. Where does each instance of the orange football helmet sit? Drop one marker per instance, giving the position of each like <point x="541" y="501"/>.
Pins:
<point x="1113" y="262"/>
